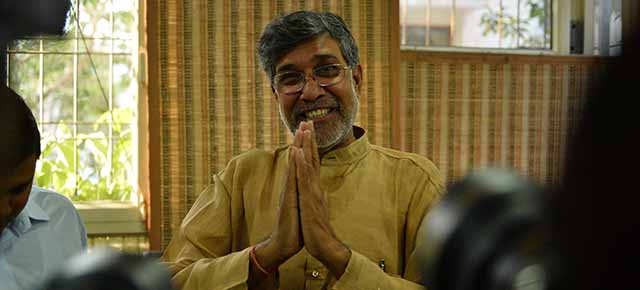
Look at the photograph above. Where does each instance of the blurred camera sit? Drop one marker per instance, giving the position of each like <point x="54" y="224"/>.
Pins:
<point x="104" y="269"/>
<point x="27" y="18"/>
<point x="487" y="234"/>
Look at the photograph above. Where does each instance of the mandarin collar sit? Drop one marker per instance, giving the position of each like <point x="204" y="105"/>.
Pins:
<point x="351" y="153"/>
<point x="32" y="211"/>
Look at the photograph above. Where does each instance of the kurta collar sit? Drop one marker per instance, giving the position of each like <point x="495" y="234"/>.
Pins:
<point x="351" y="153"/>
<point x="36" y="212"/>
<point x="32" y="211"/>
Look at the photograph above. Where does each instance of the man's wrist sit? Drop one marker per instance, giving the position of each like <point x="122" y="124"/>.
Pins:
<point x="337" y="258"/>
<point x="267" y="254"/>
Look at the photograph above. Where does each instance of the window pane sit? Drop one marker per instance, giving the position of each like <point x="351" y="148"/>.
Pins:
<point x="123" y="131"/>
<point x="94" y="130"/>
<point x="597" y="19"/>
<point x="87" y="149"/>
<point x="414" y="23"/>
<point x="58" y="88"/>
<point x="59" y="45"/>
<point x="123" y="168"/>
<point x="124" y="26"/>
<point x="96" y="45"/>
<point x="124" y="85"/>
<point x="93" y="169"/>
<point x="416" y="35"/>
<point x="476" y="23"/>
<point x="61" y="130"/>
<point x="123" y="46"/>
<point x="95" y="18"/>
<point x="440" y="22"/>
<point x="55" y="168"/>
<point x="24" y="74"/>
<point x="535" y="24"/>
<point x="91" y="96"/>
<point x="25" y="45"/>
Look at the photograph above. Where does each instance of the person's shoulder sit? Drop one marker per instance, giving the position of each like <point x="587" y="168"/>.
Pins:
<point x="406" y="160"/>
<point x="257" y="157"/>
<point x="63" y="218"/>
<point x="49" y="200"/>
<point x="411" y="167"/>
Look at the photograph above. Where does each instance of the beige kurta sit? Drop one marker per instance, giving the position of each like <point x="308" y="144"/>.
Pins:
<point x="376" y="196"/>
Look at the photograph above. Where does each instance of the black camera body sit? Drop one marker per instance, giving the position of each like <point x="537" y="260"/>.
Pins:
<point x="486" y="234"/>
<point x="24" y="18"/>
<point x="105" y="269"/>
<point x="29" y="18"/>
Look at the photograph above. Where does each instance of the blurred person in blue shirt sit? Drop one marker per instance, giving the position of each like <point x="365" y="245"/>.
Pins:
<point x="39" y="229"/>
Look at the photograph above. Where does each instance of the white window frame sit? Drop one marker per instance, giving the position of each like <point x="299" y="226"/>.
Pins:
<point x="107" y="218"/>
<point x="560" y="34"/>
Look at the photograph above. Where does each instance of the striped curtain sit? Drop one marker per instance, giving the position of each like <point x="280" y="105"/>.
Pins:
<point x="461" y="110"/>
<point x="213" y="100"/>
<point x="467" y="111"/>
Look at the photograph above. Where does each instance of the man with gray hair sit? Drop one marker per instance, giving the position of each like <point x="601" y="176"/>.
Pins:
<point x="330" y="211"/>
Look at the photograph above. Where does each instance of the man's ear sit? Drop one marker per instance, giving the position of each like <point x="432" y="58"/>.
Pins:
<point x="356" y="72"/>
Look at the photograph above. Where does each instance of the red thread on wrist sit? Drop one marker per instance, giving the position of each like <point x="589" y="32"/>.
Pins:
<point x="252" y="254"/>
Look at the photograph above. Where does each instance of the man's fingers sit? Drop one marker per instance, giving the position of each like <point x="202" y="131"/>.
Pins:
<point x="291" y="174"/>
<point x="315" y="158"/>
<point x="301" y="170"/>
<point x="289" y="195"/>
<point x="297" y="138"/>
<point x="307" y="146"/>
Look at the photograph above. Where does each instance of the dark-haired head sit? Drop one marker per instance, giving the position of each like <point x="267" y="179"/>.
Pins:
<point x="19" y="135"/>
<point x="286" y="32"/>
<point x="19" y="150"/>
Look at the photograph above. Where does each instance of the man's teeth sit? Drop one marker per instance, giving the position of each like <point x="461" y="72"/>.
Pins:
<point x="317" y="113"/>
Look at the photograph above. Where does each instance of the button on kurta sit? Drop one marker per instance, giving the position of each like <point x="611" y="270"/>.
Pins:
<point x="315" y="274"/>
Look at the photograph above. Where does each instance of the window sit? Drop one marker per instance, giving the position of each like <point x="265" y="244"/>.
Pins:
<point x="607" y="27"/>
<point x="82" y="89"/>
<point x="511" y="24"/>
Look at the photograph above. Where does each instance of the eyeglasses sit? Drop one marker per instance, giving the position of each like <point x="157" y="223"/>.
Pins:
<point x="292" y="82"/>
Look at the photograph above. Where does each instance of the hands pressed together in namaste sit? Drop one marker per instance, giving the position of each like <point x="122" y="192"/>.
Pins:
<point x="303" y="216"/>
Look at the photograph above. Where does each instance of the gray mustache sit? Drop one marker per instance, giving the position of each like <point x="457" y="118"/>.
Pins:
<point x="304" y="106"/>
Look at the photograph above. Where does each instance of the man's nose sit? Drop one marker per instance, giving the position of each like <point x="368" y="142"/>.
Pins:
<point x="311" y="89"/>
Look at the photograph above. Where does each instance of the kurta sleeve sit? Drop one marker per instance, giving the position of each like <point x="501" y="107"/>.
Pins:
<point x="201" y="256"/>
<point x="362" y="273"/>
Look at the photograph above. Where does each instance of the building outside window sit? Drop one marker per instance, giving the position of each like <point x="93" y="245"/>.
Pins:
<point x="502" y="24"/>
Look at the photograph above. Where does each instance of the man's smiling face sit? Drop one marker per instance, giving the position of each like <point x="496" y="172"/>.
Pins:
<point x="332" y="108"/>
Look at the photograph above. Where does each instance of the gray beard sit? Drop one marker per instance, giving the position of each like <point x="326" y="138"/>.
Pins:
<point x="339" y="130"/>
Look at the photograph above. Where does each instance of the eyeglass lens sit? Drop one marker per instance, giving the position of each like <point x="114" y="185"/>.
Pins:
<point x="293" y="82"/>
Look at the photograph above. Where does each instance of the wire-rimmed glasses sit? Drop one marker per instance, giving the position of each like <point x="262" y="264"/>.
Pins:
<point x="292" y="82"/>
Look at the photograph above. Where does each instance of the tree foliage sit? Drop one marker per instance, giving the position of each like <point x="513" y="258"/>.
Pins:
<point x="103" y="167"/>
<point x="514" y="30"/>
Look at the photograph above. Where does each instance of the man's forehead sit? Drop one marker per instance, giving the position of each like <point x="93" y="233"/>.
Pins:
<point x="315" y="58"/>
<point x="11" y="181"/>
<point x="318" y="49"/>
<point x="22" y="174"/>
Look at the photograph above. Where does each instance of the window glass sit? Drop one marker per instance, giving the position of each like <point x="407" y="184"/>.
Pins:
<point x="83" y="92"/>
<point x="517" y="24"/>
